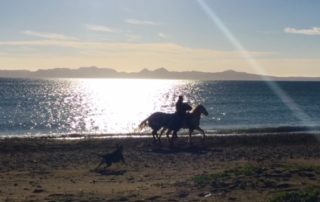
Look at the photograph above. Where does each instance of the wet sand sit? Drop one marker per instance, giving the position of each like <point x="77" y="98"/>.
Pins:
<point x="244" y="168"/>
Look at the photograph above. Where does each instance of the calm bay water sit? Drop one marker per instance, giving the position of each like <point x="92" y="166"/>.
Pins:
<point x="108" y="106"/>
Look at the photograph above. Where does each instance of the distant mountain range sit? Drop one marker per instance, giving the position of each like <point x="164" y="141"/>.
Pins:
<point x="161" y="73"/>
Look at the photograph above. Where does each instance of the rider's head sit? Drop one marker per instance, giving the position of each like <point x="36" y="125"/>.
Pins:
<point x="181" y="97"/>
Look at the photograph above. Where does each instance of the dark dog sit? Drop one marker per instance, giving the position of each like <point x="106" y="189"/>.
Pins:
<point x="113" y="157"/>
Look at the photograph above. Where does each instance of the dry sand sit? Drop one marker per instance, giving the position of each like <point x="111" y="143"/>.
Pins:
<point x="245" y="168"/>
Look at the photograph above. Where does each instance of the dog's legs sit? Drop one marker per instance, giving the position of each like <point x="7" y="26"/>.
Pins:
<point x="108" y="165"/>
<point x="99" y="165"/>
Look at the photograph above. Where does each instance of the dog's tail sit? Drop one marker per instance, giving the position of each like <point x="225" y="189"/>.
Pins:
<point x="143" y="124"/>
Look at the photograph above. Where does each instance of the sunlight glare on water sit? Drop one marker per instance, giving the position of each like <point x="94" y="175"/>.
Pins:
<point x="119" y="105"/>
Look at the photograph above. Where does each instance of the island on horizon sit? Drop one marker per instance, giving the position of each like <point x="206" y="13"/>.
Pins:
<point x="160" y="73"/>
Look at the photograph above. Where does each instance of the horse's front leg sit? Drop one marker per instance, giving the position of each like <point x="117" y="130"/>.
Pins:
<point x="173" y="137"/>
<point x="203" y="133"/>
<point x="190" y="133"/>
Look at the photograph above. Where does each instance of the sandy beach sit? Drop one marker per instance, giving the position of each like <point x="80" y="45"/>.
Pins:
<point x="233" y="168"/>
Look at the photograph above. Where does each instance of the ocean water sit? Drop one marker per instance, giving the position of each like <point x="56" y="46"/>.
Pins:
<point x="31" y="107"/>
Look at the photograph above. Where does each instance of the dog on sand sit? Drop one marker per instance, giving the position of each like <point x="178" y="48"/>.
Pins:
<point x="110" y="158"/>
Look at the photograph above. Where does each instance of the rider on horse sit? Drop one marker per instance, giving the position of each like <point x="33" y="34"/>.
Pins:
<point x="180" y="114"/>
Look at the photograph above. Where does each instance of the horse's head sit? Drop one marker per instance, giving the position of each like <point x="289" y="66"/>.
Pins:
<point x="201" y="109"/>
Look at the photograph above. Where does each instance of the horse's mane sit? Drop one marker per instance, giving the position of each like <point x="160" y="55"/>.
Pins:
<point x="196" y="108"/>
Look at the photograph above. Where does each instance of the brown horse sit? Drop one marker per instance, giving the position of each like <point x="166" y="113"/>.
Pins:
<point x="191" y="122"/>
<point x="158" y="120"/>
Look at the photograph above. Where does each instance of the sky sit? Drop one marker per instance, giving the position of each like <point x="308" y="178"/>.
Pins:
<point x="282" y="38"/>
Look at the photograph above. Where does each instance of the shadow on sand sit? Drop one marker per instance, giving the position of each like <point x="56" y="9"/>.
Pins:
<point x="107" y="172"/>
<point x="181" y="149"/>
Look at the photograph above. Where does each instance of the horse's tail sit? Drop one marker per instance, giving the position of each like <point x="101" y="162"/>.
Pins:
<point x="144" y="123"/>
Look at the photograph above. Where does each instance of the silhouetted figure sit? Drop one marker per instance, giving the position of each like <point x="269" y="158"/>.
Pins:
<point x="169" y="121"/>
<point x="179" y="106"/>
<point x="180" y="114"/>
<point x="191" y="122"/>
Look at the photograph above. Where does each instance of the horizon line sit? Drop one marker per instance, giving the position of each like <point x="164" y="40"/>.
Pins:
<point x="154" y="70"/>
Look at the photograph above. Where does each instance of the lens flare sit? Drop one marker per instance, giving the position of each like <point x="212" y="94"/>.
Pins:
<point x="287" y="100"/>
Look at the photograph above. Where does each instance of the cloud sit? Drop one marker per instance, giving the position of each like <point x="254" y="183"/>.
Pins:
<point x="126" y="56"/>
<point x="47" y="35"/>
<point x="312" y="31"/>
<point x="140" y="22"/>
<point x="130" y="47"/>
<point x="101" y="28"/>
<point x="162" y="35"/>
<point x="61" y="43"/>
<point x="132" y="37"/>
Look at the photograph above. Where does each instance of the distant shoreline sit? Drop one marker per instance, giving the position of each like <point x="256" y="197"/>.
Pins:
<point x="161" y="73"/>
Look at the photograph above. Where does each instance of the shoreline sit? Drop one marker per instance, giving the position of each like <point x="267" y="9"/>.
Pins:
<point x="225" y="168"/>
<point x="252" y="131"/>
<point x="210" y="134"/>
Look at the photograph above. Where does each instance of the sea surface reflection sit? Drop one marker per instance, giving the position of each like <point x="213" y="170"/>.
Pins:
<point x="119" y="105"/>
<point x="31" y="107"/>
